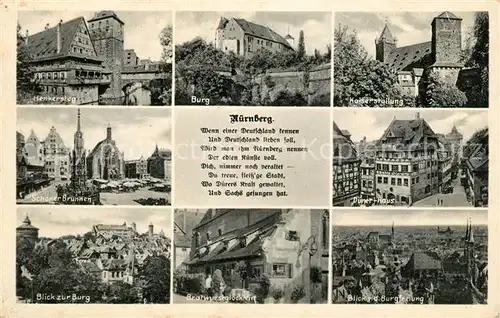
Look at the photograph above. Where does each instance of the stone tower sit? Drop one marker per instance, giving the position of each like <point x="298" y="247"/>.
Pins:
<point x="446" y="38"/>
<point x="78" y="165"/>
<point x="106" y="31"/>
<point x="27" y="230"/>
<point x="150" y="230"/>
<point x="385" y="44"/>
<point x="446" y="46"/>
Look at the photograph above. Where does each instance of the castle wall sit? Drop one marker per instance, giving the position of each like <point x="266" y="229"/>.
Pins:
<point x="288" y="81"/>
<point x="319" y="85"/>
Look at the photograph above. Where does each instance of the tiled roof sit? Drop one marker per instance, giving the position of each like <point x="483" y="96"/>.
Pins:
<point x="43" y="45"/>
<point x="343" y="147"/>
<point x="104" y="15"/>
<point x="407" y="131"/>
<point x="386" y="35"/>
<point x="261" y="31"/>
<point x="409" y="57"/>
<point x="448" y="15"/>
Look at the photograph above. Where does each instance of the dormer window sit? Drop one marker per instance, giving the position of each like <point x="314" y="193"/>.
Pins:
<point x="219" y="231"/>
<point x="208" y="236"/>
<point x="292" y="236"/>
<point x="243" y="241"/>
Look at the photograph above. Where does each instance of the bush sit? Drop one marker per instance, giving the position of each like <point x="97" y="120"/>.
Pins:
<point x="321" y="100"/>
<point x="442" y="94"/>
<point x="263" y="290"/>
<point x="276" y="292"/>
<point x="190" y="284"/>
<point x="297" y="293"/>
<point x="315" y="275"/>
<point x="285" y="98"/>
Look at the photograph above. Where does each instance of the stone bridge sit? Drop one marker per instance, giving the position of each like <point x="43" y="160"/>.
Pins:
<point x="136" y="84"/>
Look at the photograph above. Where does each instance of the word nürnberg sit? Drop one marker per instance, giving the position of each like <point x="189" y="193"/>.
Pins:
<point x="250" y="119"/>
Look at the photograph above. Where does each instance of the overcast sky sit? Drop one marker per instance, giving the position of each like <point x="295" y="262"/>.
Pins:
<point x="316" y="25"/>
<point x="372" y="122"/>
<point x="142" y="28"/>
<point x="408" y="27"/>
<point x="55" y="222"/>
<point x="135" y="130"/>
<point x="408" y="217"/>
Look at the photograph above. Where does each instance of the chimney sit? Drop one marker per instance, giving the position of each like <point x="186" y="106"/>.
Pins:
<point x="47" y="26"/>
<point x="108" y="133"/>
<point x="59" y="37"/>
<point x="418" y="115"/>
<point x="27" y="36"/>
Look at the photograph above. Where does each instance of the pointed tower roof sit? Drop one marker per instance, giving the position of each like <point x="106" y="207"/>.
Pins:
<point x="448" y="15"/>
<point x="27" y="220"/>
<point x="32" y="135"/>
<point x="386" y="35"/>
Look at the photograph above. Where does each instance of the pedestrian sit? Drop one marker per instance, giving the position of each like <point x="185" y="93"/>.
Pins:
<point x="208" y="285"/>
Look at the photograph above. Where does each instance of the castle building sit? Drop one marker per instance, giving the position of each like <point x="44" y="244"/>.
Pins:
<point x="160" y="164"/>
<point x="130" y="58"/>
<point x="406" y="162"/>
<point x="27" y="230"/>
<point x="66" y="62"/>
<point x="106" y="31"/>
<point x="346" y="168"/>
<point x="440" y="55"/>
<point x="109" y="230"/>
<point x="106" y="161"/>
<point x="244" y="38"/>
<point x="78" y="157"/>
<point x="56" y="156"/>
<point x="136" y="169"/>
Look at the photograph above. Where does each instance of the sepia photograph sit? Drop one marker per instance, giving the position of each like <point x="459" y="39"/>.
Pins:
<point x="411" y="59"/>
<point x="251" y="256"/>
<point x="87" y="156"/>
<point x="94" y="58"/>
<point x="417" y="257"/>
<point x="425" y="158"/>
<point x="87" y="256"/>
<point x="253" y="58"/>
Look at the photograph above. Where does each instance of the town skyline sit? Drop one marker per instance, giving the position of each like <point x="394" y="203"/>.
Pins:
<point x="414" y="217"/>
<point x="408" y="27"/>
<point x="376" y="121"/>
<point x="314" y="24"/>
<point x="152" y="125"/>
<point x="54" y="222"/>
<point x="141" y="30"/>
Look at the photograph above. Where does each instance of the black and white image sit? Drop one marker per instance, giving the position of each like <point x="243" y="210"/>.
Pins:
<point x="93" y="156"/>
<point x="253" y="58"/>
<point x="94" y="58"/>
<point x="422" y="257"/>
<point x="426" y="158"/>
<point x="93" y="256"/>
<point x="418" y="59"/>
<point x="270" y="256"/>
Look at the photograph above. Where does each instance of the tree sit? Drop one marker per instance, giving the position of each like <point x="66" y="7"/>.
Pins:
<point x="478" y="138"/>
<point x="441" y="94"/>
<point x="25" y="86"/>
<point x="122" y="293"/>
<point x="285" y="98"/>
<point x="166" y="44"/>
<point x="357" y="75"/>
<point x="477" y="56"/>
<point x="156" y="274"/>
<point x="301" y="47"/>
